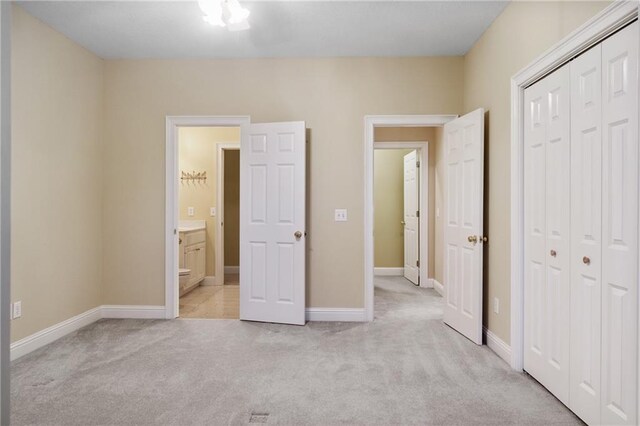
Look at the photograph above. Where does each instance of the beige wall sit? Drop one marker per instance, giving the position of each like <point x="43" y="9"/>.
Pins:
<point x="404" y="134"/>
<point x="198" y="152"/>
<point x="232" y="208"/>
<point x="510" y="43"/>
<point x="332" y="95"/>
<point x="57" y="128"/>
<point x="388" y="200"/>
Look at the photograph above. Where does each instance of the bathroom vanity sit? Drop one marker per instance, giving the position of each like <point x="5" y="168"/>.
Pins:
<point x="192" y="255"/>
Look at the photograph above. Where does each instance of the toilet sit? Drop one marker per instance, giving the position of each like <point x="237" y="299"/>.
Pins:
<point x="183" y="275"/>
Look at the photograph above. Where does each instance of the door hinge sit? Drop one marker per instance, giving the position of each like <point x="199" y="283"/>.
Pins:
<point x="418" y="263"/>
<point x="417" y="164"/>
<point x="417" y="213"/>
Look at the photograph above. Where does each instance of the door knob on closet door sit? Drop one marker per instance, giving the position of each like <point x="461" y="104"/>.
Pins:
<point x="586" y="260"/>
<point x="553" y="253"/>
<point x="472" y="239"/>
<point x="298" y="235"/>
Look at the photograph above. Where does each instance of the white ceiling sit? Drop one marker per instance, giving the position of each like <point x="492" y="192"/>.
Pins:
<point x="175" y="29"/>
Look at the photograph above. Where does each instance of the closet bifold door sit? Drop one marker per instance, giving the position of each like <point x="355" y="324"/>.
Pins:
<point x="586" y="242"/>
<point x="547" y="228"/>
<point x="620" y="227"/>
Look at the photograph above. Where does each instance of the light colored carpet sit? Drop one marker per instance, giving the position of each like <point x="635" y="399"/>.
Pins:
<point x="406" y="367"/>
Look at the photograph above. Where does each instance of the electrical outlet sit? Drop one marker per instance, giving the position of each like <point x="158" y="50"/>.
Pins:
<point x="191" y="211"/>
<point x="17" y="310"/>
<point x="496" y="305"/>
<point x="212" y="211"/>
<point x="341" y="215"/>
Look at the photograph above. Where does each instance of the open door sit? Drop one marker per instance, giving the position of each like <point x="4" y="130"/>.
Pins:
<point x="463" y="232"/>
<point x="272" y="222"/>
<point x="411" y="218"/>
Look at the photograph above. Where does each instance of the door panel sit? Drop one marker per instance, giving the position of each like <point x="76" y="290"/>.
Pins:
<point x="272" y="222"/>
<point x="547" y="226"/>
<point x="464" y="147"/>
<point x="586" y="207"/>
<point x="411" y="220"/>
<point x="620" y="227"/>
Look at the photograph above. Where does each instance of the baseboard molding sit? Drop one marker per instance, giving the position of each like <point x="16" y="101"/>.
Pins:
<point x="209" y="281"/>
<point x="437" y="285"/>
<point x="497" y="345"/>
<point x="56" y="331"/>
<point x="133" y="311"/>
<point x="336" y="314"/>
<point x="388" y="272"/>
<point x="231" y="269"/>
<point x="53" y="333"/>
<point x="426" y="283"/>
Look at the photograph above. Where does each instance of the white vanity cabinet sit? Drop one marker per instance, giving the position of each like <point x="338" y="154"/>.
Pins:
<point x="192" y="256"/>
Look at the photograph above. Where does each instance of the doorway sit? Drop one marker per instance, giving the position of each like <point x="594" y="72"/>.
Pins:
<point x="208" y="204"/>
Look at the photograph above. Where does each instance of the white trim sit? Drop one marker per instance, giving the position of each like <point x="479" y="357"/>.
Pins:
<point x="336" y="314"/>
<point x="426" y="283"/>
<point x="55" y="332"/>
<point x="219" y="237"/>
<point x="497" y="345"/>
<point x="210" y="280"/>
<point x="437" y="285"/>
<point x="388" y="272"/>
<point x="605" y="23"/>
<point x="133" y="311"/>
<point x="231" y="269"/>
<point x="370" y="123"/>
<point x="171" y="198"/>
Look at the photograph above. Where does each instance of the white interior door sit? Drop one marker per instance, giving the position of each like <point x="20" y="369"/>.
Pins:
<point x="272" y="222"/>
<point x="411" y="218"/>
<point x="620" y="227"/>
<point x="547" y="226"/>
<point x="463" y="234"/>
<point x="586" y="240"/>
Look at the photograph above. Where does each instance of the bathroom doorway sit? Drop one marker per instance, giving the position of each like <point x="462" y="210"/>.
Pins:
<point x="208" y="208"/>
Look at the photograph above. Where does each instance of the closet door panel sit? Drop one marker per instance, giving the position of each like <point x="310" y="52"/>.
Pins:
<point x="620" y="227"/>
<point x="586" y="259"/>
<point x="558" y="242"/>
<point x="535" y="231"/>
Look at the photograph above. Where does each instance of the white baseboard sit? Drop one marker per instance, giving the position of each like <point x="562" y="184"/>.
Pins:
<point x="56" y="331"/>
<point x="133" y="311"/>
<point x="497" y="345"/>
<point x="209" y="281"/>
<point x="336" y="314"/>
<point x="388" y="272"/>
<point x="231" y="269"/>
<point x="437" y="285"/>
<point x="426" y="283"/>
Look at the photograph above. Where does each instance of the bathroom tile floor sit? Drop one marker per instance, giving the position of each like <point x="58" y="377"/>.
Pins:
<point x="213" y="302"/>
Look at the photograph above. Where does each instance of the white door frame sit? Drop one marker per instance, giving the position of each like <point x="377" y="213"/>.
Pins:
<point x="219" y="238"/>
<point x="422" y="148"/>
<point x="611" y="19"/>
<point x="172" y="216"/>
<point x="370" y="123"/>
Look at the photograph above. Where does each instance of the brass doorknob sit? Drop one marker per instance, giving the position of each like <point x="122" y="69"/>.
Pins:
<point x="553" y="253"/>
<point x="586" y="260"/>
<point x="298" y="235"/>
<point x="472" y="239"/>
<point x="402" y="222"/>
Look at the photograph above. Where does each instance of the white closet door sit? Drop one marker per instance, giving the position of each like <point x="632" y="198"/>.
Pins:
<point x="620" y="227"/>
<point x="586" y="241"/>
<point x="411" y="219"/>
<point x="547" y="223"/>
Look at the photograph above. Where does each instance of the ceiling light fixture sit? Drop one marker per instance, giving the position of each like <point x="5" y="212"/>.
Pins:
<point x="225" y="13"/>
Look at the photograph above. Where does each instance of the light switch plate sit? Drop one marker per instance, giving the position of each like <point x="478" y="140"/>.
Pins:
<point x="191" y="211"/>
<point x="212" y="211"/>
<point x="341" y="215"/>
